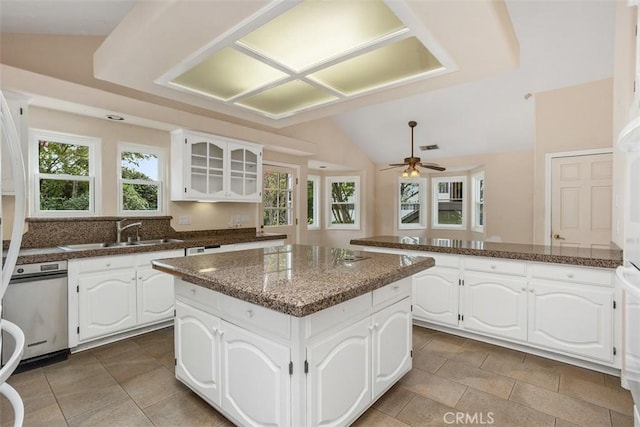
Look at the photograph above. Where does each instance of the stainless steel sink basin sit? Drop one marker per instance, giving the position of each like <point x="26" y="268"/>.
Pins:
<point x="92" y="246"/>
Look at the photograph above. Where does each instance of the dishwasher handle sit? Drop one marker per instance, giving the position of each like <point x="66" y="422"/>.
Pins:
<point x="37" y="277"/>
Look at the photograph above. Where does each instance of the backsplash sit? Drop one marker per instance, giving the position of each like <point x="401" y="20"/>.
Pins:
<point x="50" y="232"/>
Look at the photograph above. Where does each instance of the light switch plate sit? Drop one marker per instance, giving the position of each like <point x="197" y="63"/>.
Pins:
<point x="184" y="220"/>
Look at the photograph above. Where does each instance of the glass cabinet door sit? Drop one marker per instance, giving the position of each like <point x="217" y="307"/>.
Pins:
<point x="206" y="170"/>
<point x="244" y="171"/>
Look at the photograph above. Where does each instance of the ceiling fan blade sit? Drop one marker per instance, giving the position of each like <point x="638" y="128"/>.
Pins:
<point x="391" y="167"/>
<point x="398" y="164"/>
<point x="433" y="166"/>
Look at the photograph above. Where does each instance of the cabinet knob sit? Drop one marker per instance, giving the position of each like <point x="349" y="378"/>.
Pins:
<point x="523" y="289"/>
<point x="396" y="287"/>
<point x="214" y="330"/>
<point x="221" y="333"/>
<point x="531" y="290"/>
<point x="249" y="313"/>
<point x="493" y="267"/>
<point x="193" y="291"/>
<point x="570" y="275"/>
<point x="376" y="325"/>
<point x="140" y="277"/>
<point x="133" y="279"/>
<point x="108" y="264"/>
<point x="370" y="328"/>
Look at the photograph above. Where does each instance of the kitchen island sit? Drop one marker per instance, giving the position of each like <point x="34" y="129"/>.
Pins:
<point x="295" y="335"/>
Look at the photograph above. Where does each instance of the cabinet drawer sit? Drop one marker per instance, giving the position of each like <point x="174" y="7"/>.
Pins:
<point x="322" y="321"/>
<point x="444" y="260"/>
<point x="391" y="293"/>
<point x="144" y="259"/>
<point x="204" y="298"/>
<point x="492" y="265"/>
<point x="255" y="317"/>
<point x="593" y="276"/>
<point x="105" y="263"/>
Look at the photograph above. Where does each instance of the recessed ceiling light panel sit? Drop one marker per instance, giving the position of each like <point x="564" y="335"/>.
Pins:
<point x="284" y="99"/>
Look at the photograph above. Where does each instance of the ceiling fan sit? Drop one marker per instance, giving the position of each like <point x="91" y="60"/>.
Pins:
<point x="412" y="162"/>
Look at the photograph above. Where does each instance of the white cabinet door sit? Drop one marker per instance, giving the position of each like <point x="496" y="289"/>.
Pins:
<point x="107" y="303"/>
<point x="256" y="381"/>
<point x="155" y="295"/>
<point x="244" y="172"/>
<point x="197" y="351"/>
<point x="435" y="295"/>
<point x="204" y="168"/>
<point x="339" y="377"/>
<point x="495" y="304"/>
<point x="391" y="345"/>
<point x="571" y="318"/>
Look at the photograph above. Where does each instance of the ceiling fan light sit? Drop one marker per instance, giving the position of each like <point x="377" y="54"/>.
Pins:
<point x="415" y="173"/>
<point x="405" y="173"/>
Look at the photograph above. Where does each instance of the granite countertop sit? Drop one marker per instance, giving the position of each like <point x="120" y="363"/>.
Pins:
<point x="34" y="255"/>
<point x="295" y="279"/>
<point x="603" y="258"/>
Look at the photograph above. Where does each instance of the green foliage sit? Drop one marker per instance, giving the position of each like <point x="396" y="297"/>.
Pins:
<point x="342" y="206"/>
<point x="310" y="202"/>
<point x="276" y="199"/>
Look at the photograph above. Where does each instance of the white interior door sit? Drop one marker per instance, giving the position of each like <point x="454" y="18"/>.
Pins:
<point x="278" y="211"/>
<point x="581" y="201"/>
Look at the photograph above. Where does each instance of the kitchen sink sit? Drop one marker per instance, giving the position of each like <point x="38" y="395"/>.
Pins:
<point x="106" y="245"/>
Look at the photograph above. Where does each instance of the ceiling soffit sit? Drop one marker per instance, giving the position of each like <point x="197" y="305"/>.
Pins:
<point x="175" y="44"/>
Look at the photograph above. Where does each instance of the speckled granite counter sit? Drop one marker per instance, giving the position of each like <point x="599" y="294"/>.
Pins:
<point x="575" y="256"/>
<point x="296" y="279"/>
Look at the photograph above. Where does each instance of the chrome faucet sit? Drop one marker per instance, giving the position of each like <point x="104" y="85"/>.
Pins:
<point x="120" y="228"/>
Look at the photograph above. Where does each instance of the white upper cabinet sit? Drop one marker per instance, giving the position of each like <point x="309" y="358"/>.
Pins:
<point x="18" y="106"/>
<point x="209" y="167"/>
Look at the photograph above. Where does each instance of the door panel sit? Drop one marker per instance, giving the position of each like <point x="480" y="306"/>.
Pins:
<point x="155" y="295"/>
<point x="435" y="295"/>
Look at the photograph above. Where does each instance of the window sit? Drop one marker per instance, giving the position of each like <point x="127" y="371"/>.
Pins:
<point x="477" y="202"/>
<point x="412" y="214"/>
<point x="140" y="177"/>
<point x="313" y="202"/>
<point x="277" y="198"/>
<point x="343" y="194"/>
<point x="65" y="171"/>
<point x="449" y="210"/>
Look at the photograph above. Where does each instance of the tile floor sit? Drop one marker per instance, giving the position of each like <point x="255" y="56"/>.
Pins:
<point x="131" y="383"/>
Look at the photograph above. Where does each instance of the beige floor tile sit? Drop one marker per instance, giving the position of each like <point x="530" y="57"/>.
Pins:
<point x="616" y="399"/>
<point x="124" y="413"/>
<point x="452" y="347"/>
<point x="158" y="348"/>
<point x="620" y="420"/>
<point x="130" y="364"/>
<point x="114" y="349"/>
<point x="568" y="408"/>
<point x="151" y="387"/>
<point x="432" y="386"/>
<point x="565" y="369"/>
<point x="421" y="411"/>
<point x="427" y="360"/>
<point x="393" y="400"/>
<point x="486" y="407"/>
<point x="31" y="384"/>
<point x="612" y="382"/>
<point x="160" y="334"/>
<point x="88" y="394"/>
<point x="562" y="423"/>
<point x="421" y="336"/>
<point x="48" y="415"/>
<point x="184" y="409"/>
<point x="477" y="378"/>
<point x="542" y="377"/>
<point x="168" y="361"/>
<point x="373" y="417"/>
<point x="502" y="353"/>
<point x="77" y="367"/>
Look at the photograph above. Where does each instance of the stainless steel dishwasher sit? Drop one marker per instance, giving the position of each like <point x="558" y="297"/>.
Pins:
<point x="36" y="301"/>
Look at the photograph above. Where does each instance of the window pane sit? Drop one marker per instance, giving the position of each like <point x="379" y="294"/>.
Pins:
<point x="343" y="213"/>
<point x="57" y="195"/>
<point x="450" y="202"/>
<point x="343" y="192"/>
<point x="139" y="166"/>
<point x="59" y="158"/>
<point x="139" y="197"/>
<point x="409" y="203"/>
<point x="310" y="202"/>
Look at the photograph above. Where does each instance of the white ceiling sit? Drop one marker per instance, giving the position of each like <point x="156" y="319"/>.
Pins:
<point x="562" y="43"/>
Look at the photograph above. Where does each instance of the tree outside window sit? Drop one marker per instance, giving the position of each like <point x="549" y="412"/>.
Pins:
<point x="344" y="199"/>
<point x="313" y="202"/>
<point x="412" y="213"/>
<point x="140" y="179"/>
<point x="277" y="199"/>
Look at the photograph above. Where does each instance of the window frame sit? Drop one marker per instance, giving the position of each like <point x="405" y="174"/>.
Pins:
<point x="475" y="216"/>
<point x="161" y="154"/>
<point x="95" y="185"/>
<point x="422" y="223"/>
<point x="434" y="201"/>
<point x="328" y="213"/>
<point x="315" y="225"/>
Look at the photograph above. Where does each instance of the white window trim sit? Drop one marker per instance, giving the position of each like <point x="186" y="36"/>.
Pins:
<point x="316" y="202"/>
<point x="161" y="154"/>
<point x="95" y="185"/>
<point x="422" y="224"/>
<point x="475" y="180"/>
<point x="330" y="180"/>
<point x="434" y="203"/>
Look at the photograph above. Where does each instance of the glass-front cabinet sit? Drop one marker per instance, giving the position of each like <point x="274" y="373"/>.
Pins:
<point x="213" y="168"/>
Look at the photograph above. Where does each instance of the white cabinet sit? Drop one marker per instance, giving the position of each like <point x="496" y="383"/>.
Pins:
<point x="112" y="294"/>
<point x="107" y="303"/>
<point x="18" y="106"/>
<point x="495" y="304"/>
<point x="391" y="345"/>
<point x="197" y="351"/>
<point x="259" y="393"/>
<point x="572" y="318"/>
<point x="210" y="167"/>
<point x="339" y="378"/>
<point x="435" y="295"/>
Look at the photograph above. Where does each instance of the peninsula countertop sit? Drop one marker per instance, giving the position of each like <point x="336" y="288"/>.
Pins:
<point x="603" y="258"/>
<point x="295" y="279"/>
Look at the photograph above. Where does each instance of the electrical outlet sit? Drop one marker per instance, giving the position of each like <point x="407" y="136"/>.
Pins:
<point x="184" y="220"/>
<point x="244" y="219"/>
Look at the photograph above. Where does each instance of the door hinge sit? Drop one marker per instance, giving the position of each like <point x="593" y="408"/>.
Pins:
<point x="185" y="140"/>
<point x="411" y="353"/>
<point x="296" y="221"/>
<point x="461" y="317"/>
<point x="20" y="110"/>
<point x="175" y="362"/>
<point x="78" y="329"/>
<point x="185" y="189"/>
<point x="411" y="307"/>
<point x="614" y="305"/>
<point x="614" y="351"/>
<point x="459" y="282"/>
<point x="174" y="313"/>
<point x="290" y="368"/>
<point x="78" y="289"/>
<point x="306" y="367"/>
